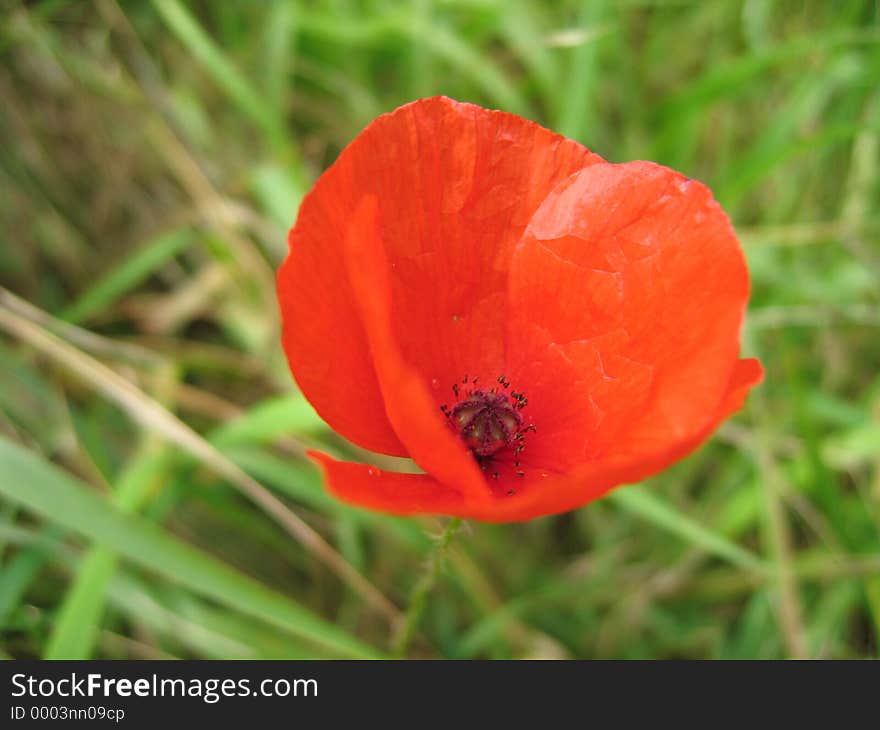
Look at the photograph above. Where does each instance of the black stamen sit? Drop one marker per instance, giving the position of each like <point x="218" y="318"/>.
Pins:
<point x="488" y="421"/>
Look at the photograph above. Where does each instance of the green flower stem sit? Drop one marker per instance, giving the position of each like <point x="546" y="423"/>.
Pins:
<point x="419" y="597"/>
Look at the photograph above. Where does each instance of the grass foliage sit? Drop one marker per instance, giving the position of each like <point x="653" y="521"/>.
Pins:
<point x="154" y="498"/>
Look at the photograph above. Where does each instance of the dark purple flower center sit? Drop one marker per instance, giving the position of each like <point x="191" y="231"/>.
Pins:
<point x="486" y="421"/>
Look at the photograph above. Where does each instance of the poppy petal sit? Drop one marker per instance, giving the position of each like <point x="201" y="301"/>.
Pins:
<point x="746" y="375"/>
<point x="649" y="287"/>
<point x="393" y="492"/>
<point x="473" y="180"/>
<point x="450" y="242"/>
<point x="543" y="492"/>
<point x="540" y="493"/>
<point x="456" y="185"/>
<point x="412" y="411"/>
<point x="323" y="338"/>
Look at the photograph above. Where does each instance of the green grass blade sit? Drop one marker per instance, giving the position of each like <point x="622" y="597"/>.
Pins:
<point x="301" y="481"/>
<point x="77" y="625"/>
<point x="269" y="420"/>
<point x="638" y="501"/>
<point x="76" y="629"/>
<point x="279" y="40"/>
<point x="17" y="575"/>
<point x="446" y="44"/>
<point x="47" y="491"/>
<point x="223" y="72"/>
<point x="579" y="100"/>
<point x="523" y="26"/>
<point x="133" y="270"/>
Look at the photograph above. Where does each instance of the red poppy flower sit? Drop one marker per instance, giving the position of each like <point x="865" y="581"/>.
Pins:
<point x="530" y="324"/>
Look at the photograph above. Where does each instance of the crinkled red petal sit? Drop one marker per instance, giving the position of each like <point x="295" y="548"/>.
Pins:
<point x="408" y="403"/>
<point x="627" y="295"/>
<point x="539" y="493"/>
<point x="455" y="185"/>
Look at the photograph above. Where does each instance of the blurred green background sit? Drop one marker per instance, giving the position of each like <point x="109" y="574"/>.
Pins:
<point x="154" y="500"/>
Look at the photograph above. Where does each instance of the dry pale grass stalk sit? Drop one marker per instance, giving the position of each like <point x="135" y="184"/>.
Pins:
<point x="154" y="416"/>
